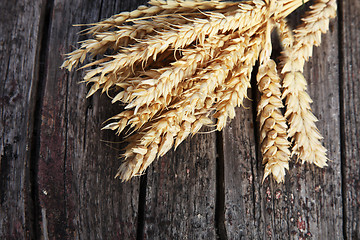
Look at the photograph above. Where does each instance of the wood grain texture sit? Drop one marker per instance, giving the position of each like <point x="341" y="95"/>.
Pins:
<point x="19" y="43"/>
<point x="180" y="193"/>
<point x="242" y="181"/>
<point x="79" y="197"/>
<point x="57" y="166"/>
<point x="350" y="85"/>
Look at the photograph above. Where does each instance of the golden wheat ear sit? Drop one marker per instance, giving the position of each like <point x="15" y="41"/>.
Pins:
<point x="302" y="129"/>
<point x="273" y="127"/>
<point x="160" y="9"/>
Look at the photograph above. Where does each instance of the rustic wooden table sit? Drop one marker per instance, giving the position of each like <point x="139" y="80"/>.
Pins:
<point x="57" y="166"/>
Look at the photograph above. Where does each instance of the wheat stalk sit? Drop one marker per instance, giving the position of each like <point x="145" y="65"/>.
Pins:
<point x="176" y="64"/>
<point x="272" y="123"/>
<point x="159" y="8"/>
<point x="302" y="130"/>
<point x="273" y="134"/>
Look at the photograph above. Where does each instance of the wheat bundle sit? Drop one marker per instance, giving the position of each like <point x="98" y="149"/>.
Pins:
<point x="178" y="64"/>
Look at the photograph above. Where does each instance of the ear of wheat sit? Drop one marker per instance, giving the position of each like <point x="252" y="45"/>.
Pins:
<point x="178" y="64"/>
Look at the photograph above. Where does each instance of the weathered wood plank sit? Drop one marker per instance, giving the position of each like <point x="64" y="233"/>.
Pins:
<point x="19" y="44"/>
<point x="180" y="193"/>
<point x="312" y="196"/>
<point x="242" y="180"/>
<point x="350" y="16"/>
<point x="309" y="203"/>
<point x="79" y="199"/>
<point x="78" y="195"/>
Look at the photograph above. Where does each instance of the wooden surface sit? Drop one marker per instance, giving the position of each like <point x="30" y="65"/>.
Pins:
<point x="57" y="166"/>
<point x="350" y="115"/>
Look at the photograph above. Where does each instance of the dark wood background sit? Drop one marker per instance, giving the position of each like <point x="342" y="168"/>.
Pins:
<point x="57" y="166"/>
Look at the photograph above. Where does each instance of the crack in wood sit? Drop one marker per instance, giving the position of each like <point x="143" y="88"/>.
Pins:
<point x="5" y="158"/>
<point x="66" y="120"/>
<point x="342" y="116"/>
<point x="220" y="189"/>
<point x="140" y="228"/>
<point x="2" y="99"/>
<point x="38" y="93"/>
<point x="254" y="96"/>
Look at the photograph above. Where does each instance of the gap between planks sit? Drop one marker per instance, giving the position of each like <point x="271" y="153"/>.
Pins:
<point x="37" y="93"/>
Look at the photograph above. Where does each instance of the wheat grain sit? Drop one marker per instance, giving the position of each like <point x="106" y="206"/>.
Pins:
<point x="285" y="33"/>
